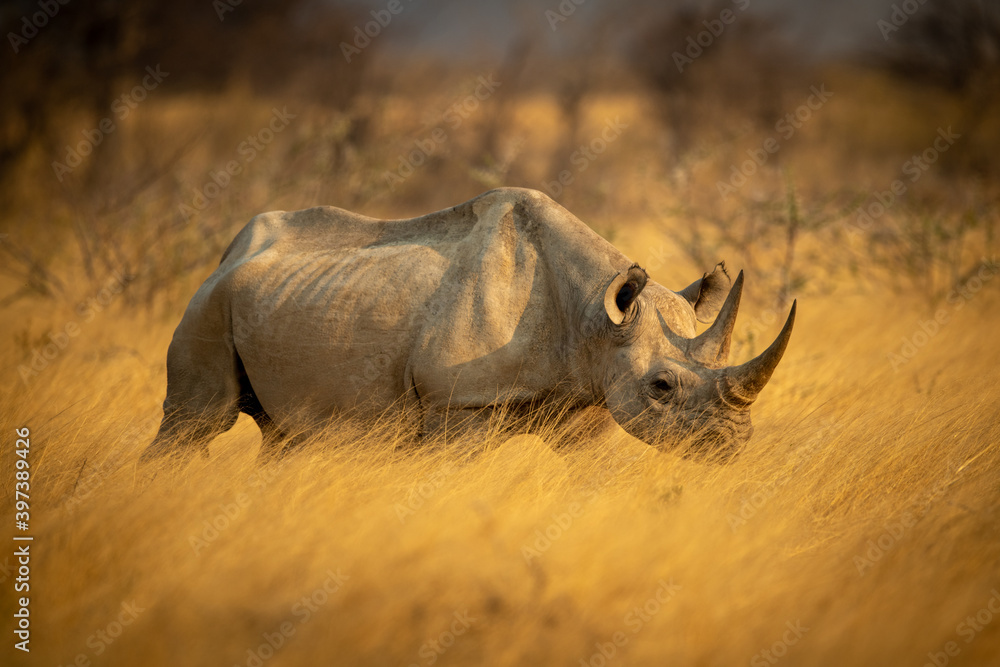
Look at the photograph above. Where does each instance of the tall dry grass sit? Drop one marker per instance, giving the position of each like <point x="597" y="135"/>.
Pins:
<point x="862" y="515"/>
<point x="848" y="453"/>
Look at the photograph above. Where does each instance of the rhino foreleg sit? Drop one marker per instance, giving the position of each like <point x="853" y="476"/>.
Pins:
<point x="274" y="443"/>
<point x="444" y="422"/>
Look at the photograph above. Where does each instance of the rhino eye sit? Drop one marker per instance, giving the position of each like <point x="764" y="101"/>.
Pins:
<point x="663" y="386"/>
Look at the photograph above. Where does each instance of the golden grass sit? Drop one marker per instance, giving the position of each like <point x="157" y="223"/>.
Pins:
<point x="847" y="452"/>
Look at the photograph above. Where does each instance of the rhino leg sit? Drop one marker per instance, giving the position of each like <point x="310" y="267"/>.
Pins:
<point x="275" y="445"/>
<point x="273" y="442"/>
<point x="441" y="421"/>
<point x="183" y="432"/>
<point x="188" y="428"/>
<point x="203" y="392"/>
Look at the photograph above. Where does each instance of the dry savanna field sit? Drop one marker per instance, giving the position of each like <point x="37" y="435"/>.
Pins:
<point x="859" y="527"/>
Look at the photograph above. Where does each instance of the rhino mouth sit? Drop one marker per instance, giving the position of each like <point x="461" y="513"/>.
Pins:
<point x="715" y="447"/>
<point x="716" y="443"/>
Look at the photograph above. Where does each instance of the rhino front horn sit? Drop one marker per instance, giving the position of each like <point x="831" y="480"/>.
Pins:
<point x="742" y="383"/>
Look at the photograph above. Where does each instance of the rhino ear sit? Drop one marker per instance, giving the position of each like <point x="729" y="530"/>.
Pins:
<point x="623" y="291"/>
<point x="707" y="294"/>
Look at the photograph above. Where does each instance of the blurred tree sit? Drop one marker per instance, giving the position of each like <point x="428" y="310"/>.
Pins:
<point x="81" y="55"/>
<point x="955" y="46"/>
<point x="713" y="58"/>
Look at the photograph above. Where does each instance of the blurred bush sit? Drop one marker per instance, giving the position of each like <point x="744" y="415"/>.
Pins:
<point x="402" y="129"/>
<point x="89" y="51"/>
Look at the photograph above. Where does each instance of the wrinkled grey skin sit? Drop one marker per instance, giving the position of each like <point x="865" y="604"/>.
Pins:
<point x="505" y="298"/>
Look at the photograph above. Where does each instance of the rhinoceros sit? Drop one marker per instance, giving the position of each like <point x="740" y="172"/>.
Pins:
<point x="506" y="299"/>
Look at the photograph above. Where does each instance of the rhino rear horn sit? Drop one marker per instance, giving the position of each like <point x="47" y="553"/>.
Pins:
<point x="744" y="382"/>
<point x="623" y="291"/>
<point x="712" y="346"/>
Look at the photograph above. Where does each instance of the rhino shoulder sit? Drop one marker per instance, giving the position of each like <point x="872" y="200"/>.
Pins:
<point x="254" y="236"/>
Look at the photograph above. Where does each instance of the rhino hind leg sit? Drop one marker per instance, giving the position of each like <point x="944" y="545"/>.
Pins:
<point x="189" y="428"/>
<point x="274" y="443"/>
<point x="183" y="432"/>
<point x="203" y="396"/>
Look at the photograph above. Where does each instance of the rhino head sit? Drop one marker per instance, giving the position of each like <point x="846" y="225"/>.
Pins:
<point x="663" y="383"/>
